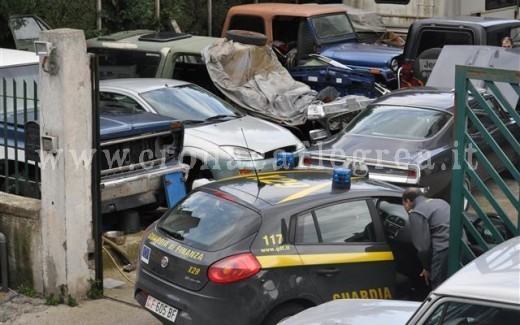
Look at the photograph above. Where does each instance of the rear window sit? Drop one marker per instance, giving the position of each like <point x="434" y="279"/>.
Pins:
<point x="114" y="64"/>
<point x="208" y="222"/>
<point x="406" y="123"/>
<point x="246" y="22"/>
<point x="438" y="38"/>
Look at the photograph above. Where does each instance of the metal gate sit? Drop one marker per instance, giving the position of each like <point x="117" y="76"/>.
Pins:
<point x="490" y="229"/>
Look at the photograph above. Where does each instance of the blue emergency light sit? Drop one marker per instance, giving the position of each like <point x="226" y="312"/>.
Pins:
<point x="341" y="178"/>
<point x="285" y="160"/>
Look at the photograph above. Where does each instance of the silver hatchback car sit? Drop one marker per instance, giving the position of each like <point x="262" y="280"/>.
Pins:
<point x="219" y="141"/>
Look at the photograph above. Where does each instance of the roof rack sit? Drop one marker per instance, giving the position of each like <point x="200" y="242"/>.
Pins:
<point x="163" y="37"/>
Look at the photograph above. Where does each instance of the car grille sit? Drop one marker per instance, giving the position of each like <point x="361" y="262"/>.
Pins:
<point x="134" y="154"/>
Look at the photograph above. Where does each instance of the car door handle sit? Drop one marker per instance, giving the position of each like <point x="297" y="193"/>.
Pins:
<point x="327" y="272"/>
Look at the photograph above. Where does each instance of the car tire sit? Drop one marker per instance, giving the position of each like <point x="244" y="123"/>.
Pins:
<point x="282" y="312"/>
<point x="246" y="37"/>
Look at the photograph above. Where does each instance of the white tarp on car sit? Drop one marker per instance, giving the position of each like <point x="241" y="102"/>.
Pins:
<point x="253" y="78"/>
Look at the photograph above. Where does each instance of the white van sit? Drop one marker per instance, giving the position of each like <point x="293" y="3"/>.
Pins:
<point x="399" y="14"/>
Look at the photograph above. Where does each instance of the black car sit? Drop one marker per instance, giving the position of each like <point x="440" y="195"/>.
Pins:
<point x="257" y="249"/>
<point x="406" y="138"/>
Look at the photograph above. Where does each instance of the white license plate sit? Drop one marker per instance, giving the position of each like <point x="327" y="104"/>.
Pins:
<point x="160" y="308"/>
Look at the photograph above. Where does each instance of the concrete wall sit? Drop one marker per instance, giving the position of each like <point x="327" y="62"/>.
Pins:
<point x="21" y="224"/>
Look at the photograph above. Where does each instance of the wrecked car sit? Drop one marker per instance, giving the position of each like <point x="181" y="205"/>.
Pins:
<point x="252" y="77"/>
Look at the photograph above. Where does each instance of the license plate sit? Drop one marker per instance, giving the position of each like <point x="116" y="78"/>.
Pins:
<point x="160" y="308"/>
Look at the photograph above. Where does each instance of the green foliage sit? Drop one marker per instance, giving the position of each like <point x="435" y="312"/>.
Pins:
<point x="71" y="301"/>
<point x="26" y="291"/>
<point x="52" y="300"/>
<point x="96" y="290"/>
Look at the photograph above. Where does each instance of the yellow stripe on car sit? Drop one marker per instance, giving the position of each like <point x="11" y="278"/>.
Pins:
<point x="272" y="261"/>
<point x="305" y="192"/>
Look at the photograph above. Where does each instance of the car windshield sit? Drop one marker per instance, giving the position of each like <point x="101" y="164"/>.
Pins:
<point x="332" y="25"/>
<point x="209" y="222"/>
<point x="188" y="103"/>
<point x="399" y="122"/>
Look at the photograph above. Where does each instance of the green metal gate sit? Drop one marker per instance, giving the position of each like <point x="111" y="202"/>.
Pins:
<point x="495" y="81"/>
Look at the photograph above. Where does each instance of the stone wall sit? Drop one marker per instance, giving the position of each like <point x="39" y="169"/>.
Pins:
<point x="20" y="223"/>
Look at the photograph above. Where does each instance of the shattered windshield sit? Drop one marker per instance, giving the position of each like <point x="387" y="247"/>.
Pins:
<point x="334" y="25"/>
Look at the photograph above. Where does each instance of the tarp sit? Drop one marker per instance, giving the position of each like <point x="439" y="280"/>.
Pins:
<point x="253" y="78"/>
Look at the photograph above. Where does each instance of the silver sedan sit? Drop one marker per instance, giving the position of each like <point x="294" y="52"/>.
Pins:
<point x="219" y="140"/>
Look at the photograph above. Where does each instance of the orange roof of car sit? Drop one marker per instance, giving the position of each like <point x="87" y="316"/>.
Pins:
<point x="284" y="9"/>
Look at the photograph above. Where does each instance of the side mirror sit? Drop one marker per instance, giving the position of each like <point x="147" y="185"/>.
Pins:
<point x="318" y="134"/>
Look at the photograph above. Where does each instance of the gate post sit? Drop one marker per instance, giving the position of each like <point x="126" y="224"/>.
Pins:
<point x="66" y="157"/>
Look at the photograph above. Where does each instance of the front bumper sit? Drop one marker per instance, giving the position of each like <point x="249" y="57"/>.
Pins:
<point x="136" y="188"/>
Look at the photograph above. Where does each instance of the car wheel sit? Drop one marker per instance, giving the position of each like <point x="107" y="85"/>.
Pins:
<point x="246" y="37"/>
<point x="282" y="312"/>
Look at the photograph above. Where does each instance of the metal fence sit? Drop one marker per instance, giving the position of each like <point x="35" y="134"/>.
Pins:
<point x="19" y="171"/>
<point x="494" y="226"/>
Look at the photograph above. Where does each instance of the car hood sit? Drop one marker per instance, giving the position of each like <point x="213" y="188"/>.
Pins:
<point x="361" y="54"/>
<point x="356" y="312"/>
<point x="368" y="147"/>
<point x="113" y="126"/>
<point x="261" y="136"/>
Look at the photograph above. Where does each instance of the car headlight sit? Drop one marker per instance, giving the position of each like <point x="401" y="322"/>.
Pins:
<point x="394" y="65"/>
<point x="240" y="153"/>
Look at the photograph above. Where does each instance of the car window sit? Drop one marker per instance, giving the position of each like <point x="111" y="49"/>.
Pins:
<point x="339" y="223"/>
<point x="187" y="103"/>
<point x="247" y="22"/>
<point x="209" y="222"/>
<point x="191" y="68"/>
<point x="114" y="104"/>
<point x="332" y="25"/>
<point x="116" y="63"/>
<point x="484" y="118"/>
<point x="458" y="313"/>
<point x="438" y="38"/>
<point x="407" y="123"/>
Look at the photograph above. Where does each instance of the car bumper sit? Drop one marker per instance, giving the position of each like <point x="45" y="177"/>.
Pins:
<point x="136" y="188"/>
<point x="214" y="304"/>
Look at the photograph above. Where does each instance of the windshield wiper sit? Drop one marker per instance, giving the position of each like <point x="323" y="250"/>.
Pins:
<point x="220" y="117"/>
<point x="186" y="122"/>
<point x="173" y="234"/>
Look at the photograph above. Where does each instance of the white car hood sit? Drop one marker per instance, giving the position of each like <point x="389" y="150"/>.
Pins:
<point x="356" y="312"/>
<point x="261" y="136"/>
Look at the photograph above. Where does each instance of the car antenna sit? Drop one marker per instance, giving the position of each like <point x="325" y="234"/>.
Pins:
<point x="258" y="181"/>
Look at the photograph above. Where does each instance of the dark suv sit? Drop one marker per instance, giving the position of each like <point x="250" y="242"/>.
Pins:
<point x="426" y="37"/>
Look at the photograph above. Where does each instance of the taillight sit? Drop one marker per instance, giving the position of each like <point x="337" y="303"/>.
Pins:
<point x="234" y="268"/>
<point x="307" y="160"/>
<point x="413" y="175"/>
<point x="407" y="78"/>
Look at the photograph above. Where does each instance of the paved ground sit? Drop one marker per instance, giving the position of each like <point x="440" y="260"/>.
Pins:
<point x="119" y="307"/>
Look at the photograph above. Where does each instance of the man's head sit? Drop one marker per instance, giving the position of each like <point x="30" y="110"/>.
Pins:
<point x="409" y="195"/>
<point x="507" y="42"/>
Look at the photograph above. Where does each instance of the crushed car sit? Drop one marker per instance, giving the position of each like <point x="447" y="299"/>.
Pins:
<point x="252" y="77"/>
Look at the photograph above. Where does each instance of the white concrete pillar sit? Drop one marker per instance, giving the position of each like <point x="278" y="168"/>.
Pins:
<point x="66" y="117"/>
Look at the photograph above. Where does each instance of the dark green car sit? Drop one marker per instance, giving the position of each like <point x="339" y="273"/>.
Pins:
<point x="255" y="250"/>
